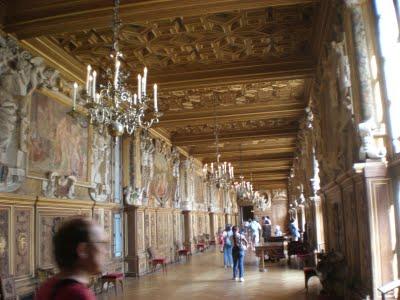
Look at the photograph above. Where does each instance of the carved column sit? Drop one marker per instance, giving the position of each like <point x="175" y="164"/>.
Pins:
<point x="188" y="215"/>
<point x="212" y="226"/>
<point x="131" y="258"/>
<point x="368" y="124"/>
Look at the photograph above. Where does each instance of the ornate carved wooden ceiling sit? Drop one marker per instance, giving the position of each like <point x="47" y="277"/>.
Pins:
<point x="226" y="37"/>
<point x="256" y="57"/>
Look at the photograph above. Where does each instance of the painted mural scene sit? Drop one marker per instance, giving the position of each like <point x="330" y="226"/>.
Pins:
<point x="199" y="149"/>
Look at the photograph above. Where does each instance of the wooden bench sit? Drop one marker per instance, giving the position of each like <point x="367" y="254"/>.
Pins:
<point x="388" y="287"/>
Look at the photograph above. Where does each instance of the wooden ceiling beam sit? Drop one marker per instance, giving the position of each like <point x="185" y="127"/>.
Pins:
<point x="50" y="17"/>
<point x="262" y="169"/>
<point x="237" y="137"/>
<point x="228" y="153"/>
<point x="178" y="79"/>
<point x="238" y="73"/>
<point x="235" y="113"/>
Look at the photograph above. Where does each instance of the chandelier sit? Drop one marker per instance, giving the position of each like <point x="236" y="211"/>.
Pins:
<point x="243" y="188"/>
<point x="114" y="105"/>
<point x="220" y="174"/>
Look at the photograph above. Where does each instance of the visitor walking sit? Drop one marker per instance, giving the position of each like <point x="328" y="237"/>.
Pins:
<point x="266" y="228"/>
<point x="255" y="233"/>
<point x="226" y="235"/>
<point x="294" y="231"/>
<point x="239" y="243"/>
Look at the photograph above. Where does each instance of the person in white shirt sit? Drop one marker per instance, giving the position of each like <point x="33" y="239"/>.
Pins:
<point x="255" y="232"/>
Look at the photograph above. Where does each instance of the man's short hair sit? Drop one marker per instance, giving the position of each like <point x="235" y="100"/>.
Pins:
<point x="67" y="238"/>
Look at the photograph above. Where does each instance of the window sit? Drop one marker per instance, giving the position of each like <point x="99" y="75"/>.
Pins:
<point x="117" y="235"/>
<point x="389" y="41"/>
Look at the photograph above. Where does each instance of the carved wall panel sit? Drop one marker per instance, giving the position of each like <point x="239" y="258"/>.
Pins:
<point x="364" y="241"/>
<point x="153" y="229"/>
<point x="334" y="219"/>
<point x="4" y="240"/>
<point x="351" y="235"/>
<point x="23" y="241"/>
<point x="140" y="229"/>
<point x="108" y="229"/>
<point x="48" y="225"/>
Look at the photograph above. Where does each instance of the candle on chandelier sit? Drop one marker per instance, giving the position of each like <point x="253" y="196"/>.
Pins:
<point x="74" y="95"/>
<point x="117" y="65"/>
<point x="139" y="84"/>
<point x="205" y="168"/>
<point x="134" y="99"/>
<point x="155" y="98"/>
<point x="89" y="69"/>
<point x="94" y="83"/>
<point x="212" y="168"/>
<point x="97" y="98"/>
<point x="144" y="80"/>
<point x="90" y="85"/>
<point x="143" y="88"/>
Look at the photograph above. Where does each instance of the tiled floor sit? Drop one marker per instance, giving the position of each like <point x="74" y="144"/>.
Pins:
<point x="205" y="278"/>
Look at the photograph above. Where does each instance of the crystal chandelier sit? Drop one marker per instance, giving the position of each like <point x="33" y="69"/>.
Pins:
<point x="220" y="174"/>
<point x="115" y="106"/>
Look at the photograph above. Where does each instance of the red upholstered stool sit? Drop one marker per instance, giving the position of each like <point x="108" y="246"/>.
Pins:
<point x="113" y="278"/>
<point x="308" y="273"/>
<point x="159" y="261"/>
<point x="201" y="247"/>
<point x="184" y="252"/>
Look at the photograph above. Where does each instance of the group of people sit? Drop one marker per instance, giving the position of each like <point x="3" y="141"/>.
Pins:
<point x="234" y="241"/>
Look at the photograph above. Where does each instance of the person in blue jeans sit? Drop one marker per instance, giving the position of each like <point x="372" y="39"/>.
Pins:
<point x="239" y="243"/>
<point x="226" y="235"/>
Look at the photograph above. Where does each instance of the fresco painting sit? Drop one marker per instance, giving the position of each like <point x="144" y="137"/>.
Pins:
<point x="56" y="141"/>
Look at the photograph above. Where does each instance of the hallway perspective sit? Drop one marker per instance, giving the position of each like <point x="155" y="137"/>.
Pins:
<point x="205" y="278"/>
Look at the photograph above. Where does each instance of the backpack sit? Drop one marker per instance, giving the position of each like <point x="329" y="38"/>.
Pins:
<point x="241" y="246"/>
<point x="227" y="240"/>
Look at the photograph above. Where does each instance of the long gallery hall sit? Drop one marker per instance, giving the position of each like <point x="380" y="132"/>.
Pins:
<point x="184" y="149"/>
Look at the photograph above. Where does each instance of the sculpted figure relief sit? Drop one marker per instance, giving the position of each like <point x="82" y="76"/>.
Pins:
<point x="57" y="186"/>
<point x="20" y="75"/>
<point x="176" y="162"/>
<point x="147" y="150"/>
<point x="101" y="167"/>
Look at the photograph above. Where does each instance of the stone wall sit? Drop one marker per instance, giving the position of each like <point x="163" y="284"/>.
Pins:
<point x="339" y="172"/>
<point x="51" y="167"/>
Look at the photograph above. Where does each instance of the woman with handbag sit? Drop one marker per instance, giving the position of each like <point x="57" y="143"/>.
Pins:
<point x="239" y="243"/>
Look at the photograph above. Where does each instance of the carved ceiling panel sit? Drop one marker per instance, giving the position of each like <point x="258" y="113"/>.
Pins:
<point x="235" y="126"/>
<point x="255" y="34"/>
<point x="239" y="94"/>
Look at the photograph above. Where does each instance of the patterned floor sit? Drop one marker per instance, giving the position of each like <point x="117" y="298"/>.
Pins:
<point x="205" y="278"/>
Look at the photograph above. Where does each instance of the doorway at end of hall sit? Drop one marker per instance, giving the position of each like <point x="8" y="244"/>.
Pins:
<point x="247" y="212"/>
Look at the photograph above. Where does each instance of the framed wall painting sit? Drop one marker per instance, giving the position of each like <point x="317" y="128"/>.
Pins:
<point x="56" y="142"/>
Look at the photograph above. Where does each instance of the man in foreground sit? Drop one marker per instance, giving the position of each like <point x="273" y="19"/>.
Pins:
<point x="79" y="249"/>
